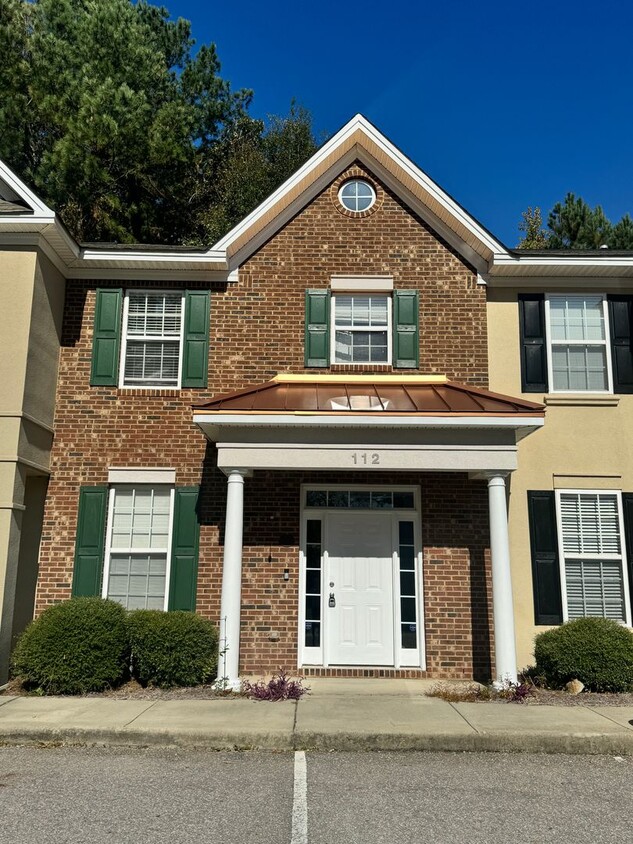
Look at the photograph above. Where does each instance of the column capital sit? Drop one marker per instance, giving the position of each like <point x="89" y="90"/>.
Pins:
<point x="245" y="473"/>
<point x="490" y="474"/>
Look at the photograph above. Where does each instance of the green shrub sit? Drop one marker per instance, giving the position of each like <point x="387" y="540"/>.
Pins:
<point x="74" y="647"/>
<point x="596" y="651"/>
<point x="172" y="648"/>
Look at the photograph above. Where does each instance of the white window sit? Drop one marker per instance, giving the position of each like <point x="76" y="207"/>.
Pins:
<point x="152" y="339"/>
<point x="361" y="328"/>
<point x="578" y="332"/>
<point x="593" y="560"/>
<point x="138" y="540"/>
<point x="357" y="195"/>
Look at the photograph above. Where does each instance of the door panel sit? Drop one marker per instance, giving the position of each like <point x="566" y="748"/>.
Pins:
<point x="360" y="565"/>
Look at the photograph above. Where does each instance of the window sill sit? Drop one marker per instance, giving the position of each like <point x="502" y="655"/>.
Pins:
<point x="581" y="400"/>
<point x="361" y="367"/>
<point x="149" y="391"/>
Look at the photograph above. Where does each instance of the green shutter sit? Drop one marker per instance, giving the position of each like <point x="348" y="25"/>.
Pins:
<point x="184" y="550"/>
<point x="317" y="328"/>
<point x="406" y="343"/>
<point x="196" y="351"/>
<point x="107" y="338"/>
<point x="90" y="541"/>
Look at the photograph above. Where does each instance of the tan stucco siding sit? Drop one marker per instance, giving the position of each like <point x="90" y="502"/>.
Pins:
<point x="581" y="446"/>
<point x="31" y="310"/>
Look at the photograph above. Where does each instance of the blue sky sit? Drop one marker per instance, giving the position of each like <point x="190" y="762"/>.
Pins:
<point x="505" y="104"/>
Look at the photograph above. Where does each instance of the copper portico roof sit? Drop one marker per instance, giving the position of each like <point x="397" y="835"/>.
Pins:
<point x="386" y="395"/>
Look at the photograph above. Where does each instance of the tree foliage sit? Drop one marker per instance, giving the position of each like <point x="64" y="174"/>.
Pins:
<point x="126" y="130"/>
<point x="573" y="224"/>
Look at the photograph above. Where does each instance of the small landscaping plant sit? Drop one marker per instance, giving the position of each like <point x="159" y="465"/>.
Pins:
<point x="279" y="687"/>
<point x="596" y="651"/>
<point x="172" y="648"/>
<point x="74" y="647"/>
<point x="474" y="692"/>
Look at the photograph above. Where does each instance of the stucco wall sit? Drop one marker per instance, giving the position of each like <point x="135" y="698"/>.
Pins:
<point x="591" y="443"/>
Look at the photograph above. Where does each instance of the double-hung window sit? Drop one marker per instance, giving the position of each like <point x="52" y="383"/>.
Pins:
<point x="592" y="555"/>
<point x="152" y="339"/>
<point x="578" y="331"/>
<point x="138" y="542"/>
<point x="361" y="328"/>
<point x="576" y="342"/>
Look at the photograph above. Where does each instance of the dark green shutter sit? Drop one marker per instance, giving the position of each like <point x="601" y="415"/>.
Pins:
<point x="406" y="343"/>
<point x="196" y="351"/>
<point x="184" y="550"/>
<point x="545" y="567"/>
<point x="620" y="319"/>
<point x="317" y="328"/>
<point x="627" y="509"/>
<point x="533" y="343"/>
<point x="106" y="340"/>
<point x="90" y="540"/>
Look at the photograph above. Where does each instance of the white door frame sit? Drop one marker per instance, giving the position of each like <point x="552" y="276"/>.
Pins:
<point x="403" y="658"/>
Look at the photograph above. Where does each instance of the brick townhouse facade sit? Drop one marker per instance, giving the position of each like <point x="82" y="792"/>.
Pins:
<point x="293" y="433"/>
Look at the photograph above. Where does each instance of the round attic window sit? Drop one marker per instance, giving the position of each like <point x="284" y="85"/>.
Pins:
<point x="357" y="195"/>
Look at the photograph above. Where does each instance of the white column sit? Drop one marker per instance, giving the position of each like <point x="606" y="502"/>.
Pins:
<point x="229" y="645"/>
<point x="505" y="649"/>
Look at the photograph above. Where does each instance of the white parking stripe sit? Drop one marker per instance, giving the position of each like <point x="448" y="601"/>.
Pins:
<point x="300" y="801"/>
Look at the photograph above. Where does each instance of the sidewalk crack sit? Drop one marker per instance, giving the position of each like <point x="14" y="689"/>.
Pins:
<point x="604" y="715"/>
<point x="147" y="709"/>
<point x="294" y="726"/>
<point x="472" y="727"/>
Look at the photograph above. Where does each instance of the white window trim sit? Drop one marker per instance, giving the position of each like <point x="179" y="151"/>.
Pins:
<point x="108" y="543"/>
<point x="561" y="550"/>
<point x="124" y="340"/>
<point x="606" y="342"/>
<point x="403" y="658"/>
<point x="362" y="328"/>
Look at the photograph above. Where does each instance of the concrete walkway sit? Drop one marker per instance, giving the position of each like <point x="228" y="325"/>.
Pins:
<point x="338" y="715"/>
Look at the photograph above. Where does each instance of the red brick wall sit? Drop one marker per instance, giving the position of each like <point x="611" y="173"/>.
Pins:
<point x="257" y="330"/>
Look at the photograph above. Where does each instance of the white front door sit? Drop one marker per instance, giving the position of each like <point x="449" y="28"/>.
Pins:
<point x="359" y="588"/>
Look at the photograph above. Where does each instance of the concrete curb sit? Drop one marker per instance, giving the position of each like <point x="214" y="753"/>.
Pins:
<point x="618" y="744"/>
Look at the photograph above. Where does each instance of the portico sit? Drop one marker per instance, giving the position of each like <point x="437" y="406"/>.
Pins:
<point x="368" y="425"/>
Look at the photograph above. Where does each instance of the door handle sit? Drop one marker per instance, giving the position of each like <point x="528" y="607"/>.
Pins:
<point x="332" y="600"/>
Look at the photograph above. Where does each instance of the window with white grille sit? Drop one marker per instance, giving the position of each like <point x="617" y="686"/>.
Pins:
<point x="137" y="550"/>
<point x="592" y="555"/>
<point x="152" y="339"/>
<point x="361" y="329"/>
<point x="578" y="358"/>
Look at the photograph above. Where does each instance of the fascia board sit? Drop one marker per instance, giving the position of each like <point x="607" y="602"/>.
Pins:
<point x="311" y="420"/>
<point x="150" y="274"/>
<point x="433" y="189"/>
<point x="519" y="265"/>
<point x="17" y="185"/>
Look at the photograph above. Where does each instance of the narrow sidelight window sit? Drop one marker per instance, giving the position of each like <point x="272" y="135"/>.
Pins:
<point x="406" y="553"/>
<point x="313" y="584"/>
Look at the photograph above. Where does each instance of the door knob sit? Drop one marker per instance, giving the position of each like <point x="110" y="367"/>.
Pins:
<point x="332" y="600"/>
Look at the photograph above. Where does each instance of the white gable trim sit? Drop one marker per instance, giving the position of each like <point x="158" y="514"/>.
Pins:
<point x="20" y="191"/>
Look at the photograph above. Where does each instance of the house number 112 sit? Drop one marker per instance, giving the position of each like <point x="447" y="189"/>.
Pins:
<point x="362" y="458"/>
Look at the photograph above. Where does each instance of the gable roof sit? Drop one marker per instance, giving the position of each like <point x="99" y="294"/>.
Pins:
<point x="360" y="140"/>
<point x="25" y="219"/>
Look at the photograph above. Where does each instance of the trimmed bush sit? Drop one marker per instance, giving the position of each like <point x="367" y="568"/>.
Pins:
<point x="74" y="647"/>
<point x="596" y="651"/>
<point x="172" y="648"/>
